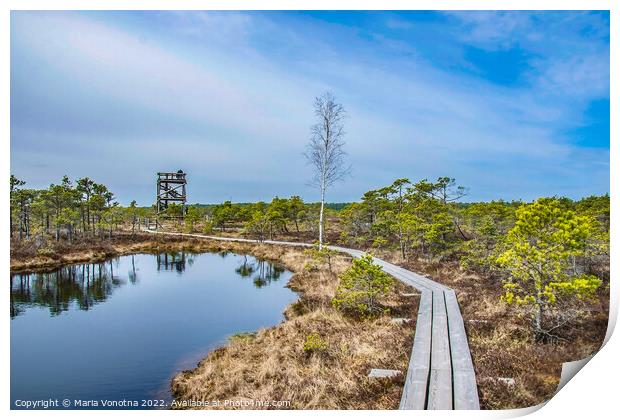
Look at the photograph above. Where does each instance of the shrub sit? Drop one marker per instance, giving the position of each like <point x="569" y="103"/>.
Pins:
<point x="320" y="257"/>
<point x="47" y="251"/>
<point x="207" y="228"/>
<point x="315" y="344"/>
<point x="361" y="286"/>
<point x="243" y="336"/>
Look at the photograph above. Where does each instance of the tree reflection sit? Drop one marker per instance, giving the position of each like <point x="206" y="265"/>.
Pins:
<point x="264" y="272"/>
<point x="246" y="269"/>
<point x="83" y="284"/>
<point x="172" y="261"/>
<point x="132" y="275"/>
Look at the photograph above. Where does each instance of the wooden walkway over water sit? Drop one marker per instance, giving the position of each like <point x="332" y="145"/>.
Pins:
<point x="441" y="373"/>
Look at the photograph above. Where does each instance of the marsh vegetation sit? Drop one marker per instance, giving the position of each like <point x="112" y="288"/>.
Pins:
<point x="532" y="278"/>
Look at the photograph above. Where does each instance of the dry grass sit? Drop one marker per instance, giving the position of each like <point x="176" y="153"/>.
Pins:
<point x="272" y="365"/>
<point x="47" y="254"/>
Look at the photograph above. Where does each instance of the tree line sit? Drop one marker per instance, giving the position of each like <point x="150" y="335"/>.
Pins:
<point x="259" y="220"/>
<point x="67" y="210"/>
<point x="84" y="208"/>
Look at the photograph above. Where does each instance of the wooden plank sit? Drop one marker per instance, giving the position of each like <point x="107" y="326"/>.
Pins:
<point x="464" y="376"/>
<point x="416" y="381"/>
<point x="410" y="275"/>
<point x="383" y="373"/>
<point x="414" y="283"/>
<point x="440" y="384"/>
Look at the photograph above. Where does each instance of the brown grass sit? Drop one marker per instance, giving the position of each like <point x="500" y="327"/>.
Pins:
<point x="49" y="254"/>
<point x="272" y="365"/>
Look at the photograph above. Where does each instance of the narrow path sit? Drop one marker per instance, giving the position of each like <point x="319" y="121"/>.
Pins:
<point x="441" y="373"/>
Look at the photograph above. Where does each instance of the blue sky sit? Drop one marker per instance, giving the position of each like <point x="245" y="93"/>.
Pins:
<point x="514" y="105"/>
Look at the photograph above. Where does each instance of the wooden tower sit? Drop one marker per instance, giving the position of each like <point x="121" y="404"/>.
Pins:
<point x="171" y="189"/>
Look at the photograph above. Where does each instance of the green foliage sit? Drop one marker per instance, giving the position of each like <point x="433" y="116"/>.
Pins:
<point x="261" y="220"/>
<point x="67" y="210"/>
<point x="223" y="214"/>
<point x="174" y="210"/>
<point x="207" y="227"/>
<point x="554" y="251"/>
<point x="315" y="344"/>
<point x="296" y="211"/>
<point x="258" y="226"/>
<point x="410" y="217"/>
<point x="355" y="220"/>
<point x="243" y="336"/>
<point x="361" y="286"/>
<point x="319" y="257"/>
<point x="539" y="254"/>
<point x="193" y="216"/>
<point x="132" y="214"/>
<point x="596" y="206"/>
<point x="484" y="225"/>
<point x="110" y="219"/>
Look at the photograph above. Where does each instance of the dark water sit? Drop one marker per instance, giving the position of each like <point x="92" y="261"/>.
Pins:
<point x="122" y="329"/>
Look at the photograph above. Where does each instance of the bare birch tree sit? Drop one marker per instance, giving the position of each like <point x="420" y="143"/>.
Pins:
<point x="325" y="151"/>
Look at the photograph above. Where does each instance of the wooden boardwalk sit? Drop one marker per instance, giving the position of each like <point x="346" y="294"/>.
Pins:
<point x="441" y="373"/>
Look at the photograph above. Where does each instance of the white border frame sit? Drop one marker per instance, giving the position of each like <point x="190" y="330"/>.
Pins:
<point x="593" y="392"/>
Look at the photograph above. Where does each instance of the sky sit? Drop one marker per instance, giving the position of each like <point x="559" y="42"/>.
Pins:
<point x="513" y="105"/>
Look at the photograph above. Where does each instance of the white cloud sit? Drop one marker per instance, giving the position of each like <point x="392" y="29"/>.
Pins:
<point x="494" y="29"/>
<point x="578" y="76"/>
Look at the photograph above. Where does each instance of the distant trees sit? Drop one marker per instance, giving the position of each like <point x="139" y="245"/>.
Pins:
<point x="16" y="201"/>
<point x="258" y="224"/>
<point x="415" y="217"/>
<point x="86" y="187"/>
<point x="68" y="210"/>
<point x="296" y="211"/>
<point x="483" y="226"/>
<point x="132" y="213"/>
<point x="87" y="209"/>
<point x="425" y="220"/>
<point x="193" y="216"/>
<point x="223" y="214"/>
<point x="261" y="220"/>
<point x="325" y="151"/>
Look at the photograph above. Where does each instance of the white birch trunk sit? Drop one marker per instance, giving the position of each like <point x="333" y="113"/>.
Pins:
<point x="321" y="216"/>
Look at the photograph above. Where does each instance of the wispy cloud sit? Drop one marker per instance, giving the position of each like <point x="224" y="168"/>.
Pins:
<point x="569" y="51"/>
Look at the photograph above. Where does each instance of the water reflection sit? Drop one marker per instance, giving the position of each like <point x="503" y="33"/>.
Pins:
<point x="174" y="261"/>
<point x="84" y="284"/>
<point x="261" y="271"/>
<point x="88" y="284"/>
